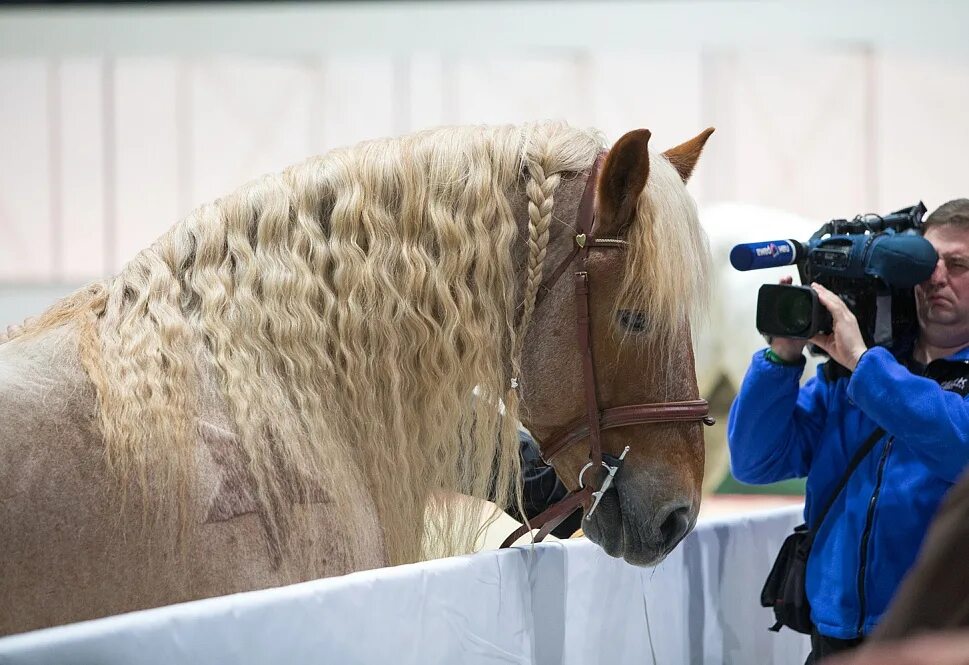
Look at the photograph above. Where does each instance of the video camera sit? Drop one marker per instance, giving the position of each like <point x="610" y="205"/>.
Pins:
<point x="872" y="262"/>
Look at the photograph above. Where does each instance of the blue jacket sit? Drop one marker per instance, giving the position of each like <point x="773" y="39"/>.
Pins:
<point x="869" y="539"/>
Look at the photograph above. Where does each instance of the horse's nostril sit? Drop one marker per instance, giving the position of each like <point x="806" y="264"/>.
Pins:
<point x="675" y="526"/>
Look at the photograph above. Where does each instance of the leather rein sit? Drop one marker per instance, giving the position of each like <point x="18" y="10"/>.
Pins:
<point x="595" y="420"/>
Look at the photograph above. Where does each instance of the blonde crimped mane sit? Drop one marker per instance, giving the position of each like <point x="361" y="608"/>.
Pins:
<point x="349" y="307"/>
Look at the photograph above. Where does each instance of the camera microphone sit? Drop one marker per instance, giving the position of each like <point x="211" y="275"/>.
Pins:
<point x="770" y="254"/>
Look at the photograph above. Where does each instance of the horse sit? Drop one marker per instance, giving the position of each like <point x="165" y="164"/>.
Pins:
<point x="289" y="380"/>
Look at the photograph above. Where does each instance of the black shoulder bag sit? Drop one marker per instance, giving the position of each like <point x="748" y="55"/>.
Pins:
<point x="785" y="589"/>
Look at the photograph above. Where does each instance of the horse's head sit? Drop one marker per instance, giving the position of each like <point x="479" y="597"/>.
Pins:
<point x="646" y="261"/>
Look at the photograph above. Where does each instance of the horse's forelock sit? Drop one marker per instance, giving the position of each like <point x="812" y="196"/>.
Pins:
<point x="668" y="262"/>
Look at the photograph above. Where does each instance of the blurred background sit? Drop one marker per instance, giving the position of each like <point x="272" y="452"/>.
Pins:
<point x="117" y="119"/>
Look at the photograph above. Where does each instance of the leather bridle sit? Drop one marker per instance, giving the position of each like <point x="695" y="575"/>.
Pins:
<point x="595" y="420"/>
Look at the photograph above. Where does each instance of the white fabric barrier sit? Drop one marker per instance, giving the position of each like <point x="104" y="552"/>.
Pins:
<point x="558" y="603"/>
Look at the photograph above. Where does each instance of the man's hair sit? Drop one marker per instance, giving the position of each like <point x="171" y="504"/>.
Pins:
<point x="951" y="213"/>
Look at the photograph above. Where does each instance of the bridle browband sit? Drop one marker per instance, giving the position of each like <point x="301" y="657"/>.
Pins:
<point x="595" y="420"/>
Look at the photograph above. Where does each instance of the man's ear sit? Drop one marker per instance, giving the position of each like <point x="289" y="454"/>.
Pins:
<point x="684" y="156"/>
<point x="621" y="181"/>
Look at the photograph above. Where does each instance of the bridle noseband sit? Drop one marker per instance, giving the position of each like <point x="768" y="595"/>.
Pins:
<point x="595" y="420"/>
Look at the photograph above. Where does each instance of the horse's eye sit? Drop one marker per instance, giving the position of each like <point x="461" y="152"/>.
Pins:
<point x="632" y="321"/>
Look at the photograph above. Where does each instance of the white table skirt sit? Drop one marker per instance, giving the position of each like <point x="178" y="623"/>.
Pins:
<point x="556" y="603"/>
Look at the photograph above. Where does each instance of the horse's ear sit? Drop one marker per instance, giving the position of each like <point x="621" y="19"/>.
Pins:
<point x="621" y="181"/>
<point x="684" y="156"/>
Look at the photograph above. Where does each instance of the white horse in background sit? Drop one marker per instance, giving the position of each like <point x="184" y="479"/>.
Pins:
<point x="727" y="338"/>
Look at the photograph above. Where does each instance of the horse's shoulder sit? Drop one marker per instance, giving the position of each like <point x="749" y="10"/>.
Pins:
<point x="42" y="372"/>
<point x="48" y="428"/>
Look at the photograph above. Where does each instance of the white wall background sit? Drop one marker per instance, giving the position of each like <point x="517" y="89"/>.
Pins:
<point x="117" y="121"/>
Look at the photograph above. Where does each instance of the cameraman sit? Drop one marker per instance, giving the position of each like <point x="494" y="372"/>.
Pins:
<point x="777" y="430"/>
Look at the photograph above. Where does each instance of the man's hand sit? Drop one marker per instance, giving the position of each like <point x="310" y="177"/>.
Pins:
<point x="844" y="344"/>
<point x="786" y="348"/>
